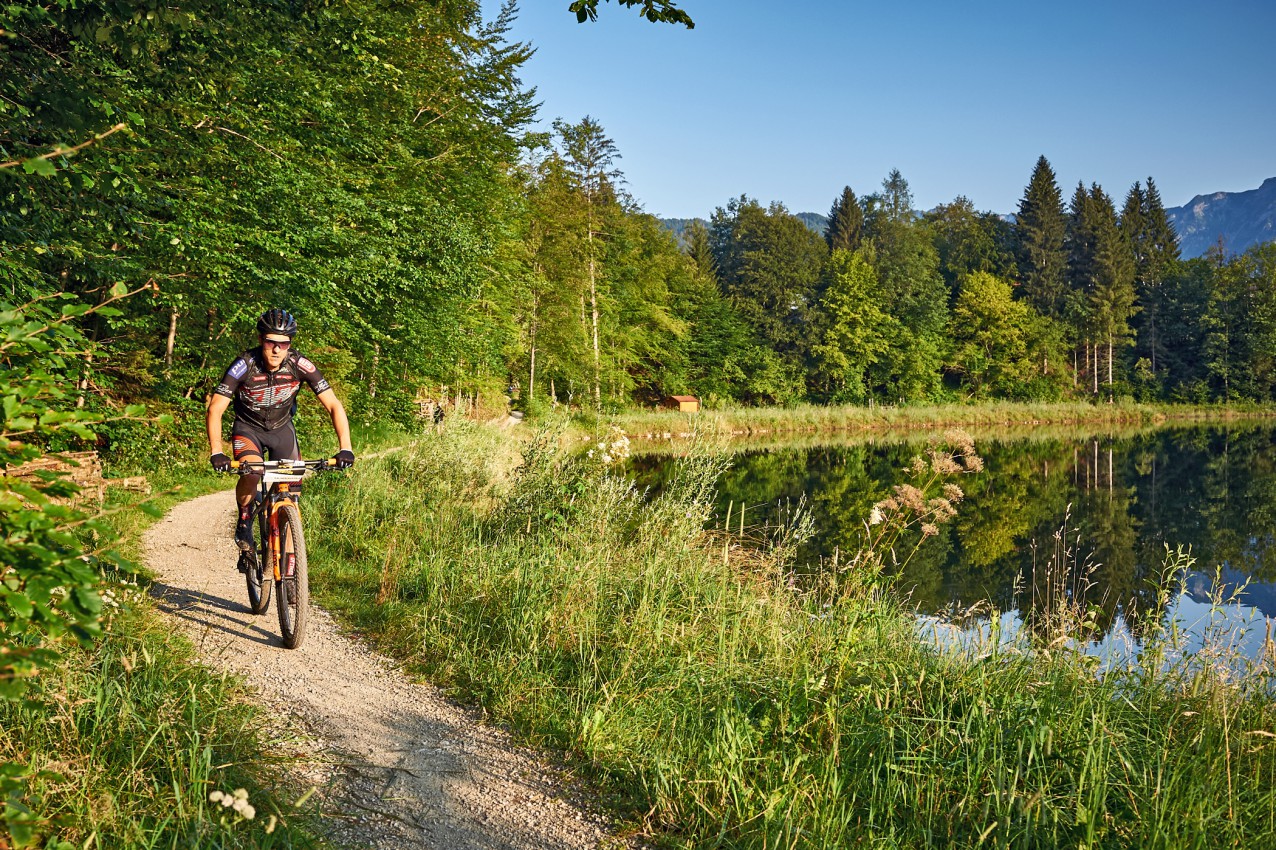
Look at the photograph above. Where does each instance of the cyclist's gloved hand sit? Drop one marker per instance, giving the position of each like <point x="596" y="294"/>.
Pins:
<point x="220" y="462"/>
<point x="344" y="459"/>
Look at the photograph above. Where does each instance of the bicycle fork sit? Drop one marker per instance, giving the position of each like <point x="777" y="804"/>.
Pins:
<point x="284" y="564"/>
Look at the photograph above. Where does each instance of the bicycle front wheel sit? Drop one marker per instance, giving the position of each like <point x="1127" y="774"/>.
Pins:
<point x="293" y="594"/>
<point x="259" y="583"/>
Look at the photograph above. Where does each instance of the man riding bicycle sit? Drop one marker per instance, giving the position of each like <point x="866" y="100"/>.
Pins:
<point x="263" y="383"/>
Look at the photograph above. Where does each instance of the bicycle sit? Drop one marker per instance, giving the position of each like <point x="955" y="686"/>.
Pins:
<point x="278" y="536"/>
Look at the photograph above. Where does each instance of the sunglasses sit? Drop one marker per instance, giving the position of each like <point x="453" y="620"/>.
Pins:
<point x="276" y="343"/>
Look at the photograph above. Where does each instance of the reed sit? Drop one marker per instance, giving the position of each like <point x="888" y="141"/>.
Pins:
<point x="721" y="702"/>
<point x="815" y="419"/>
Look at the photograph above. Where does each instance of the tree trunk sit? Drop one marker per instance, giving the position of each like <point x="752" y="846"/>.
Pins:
<point x="593" y="304"/>
<point x="1109" y="367"/>
<point x="531" y="377"/>
<point x="171" y="341"/>
<point x="82" y="385"/>
<point x="376" y="362"/>
<point x="1095" y="371"/>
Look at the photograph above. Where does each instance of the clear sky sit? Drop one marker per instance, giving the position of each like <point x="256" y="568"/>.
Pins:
<point x="790" y="100"/>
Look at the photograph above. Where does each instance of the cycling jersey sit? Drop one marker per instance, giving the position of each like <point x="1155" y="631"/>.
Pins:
<point x="268" y="399"/>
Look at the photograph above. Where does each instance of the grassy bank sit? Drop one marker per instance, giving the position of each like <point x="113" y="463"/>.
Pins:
<point x="718" y="705"/>
<point x="124" y="741"/>
<point x="745" y="421"/>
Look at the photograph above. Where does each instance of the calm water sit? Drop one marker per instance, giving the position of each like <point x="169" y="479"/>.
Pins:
<point x="1121" y="498"/>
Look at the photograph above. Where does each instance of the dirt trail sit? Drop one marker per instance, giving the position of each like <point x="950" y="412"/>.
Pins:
<point x="397" y="764"/>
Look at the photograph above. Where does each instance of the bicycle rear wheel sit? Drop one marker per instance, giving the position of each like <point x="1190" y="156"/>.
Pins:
<point x="259" y="583"/>
<point x="293" y="597"/>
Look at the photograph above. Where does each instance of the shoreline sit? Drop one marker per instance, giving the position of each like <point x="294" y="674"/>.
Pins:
<point x="751" y="422"/>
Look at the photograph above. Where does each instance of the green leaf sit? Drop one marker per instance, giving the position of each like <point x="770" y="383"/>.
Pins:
<point x="119" y="290"/>
<point x="19" y="604"/>
<point x="38" y="165"/>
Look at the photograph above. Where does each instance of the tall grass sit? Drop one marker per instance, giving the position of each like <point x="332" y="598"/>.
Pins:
<point x="808" y="418"/>
<point x="721" y="703"/>
<point x="122" y="744"/>
<point x="126" y="742"/>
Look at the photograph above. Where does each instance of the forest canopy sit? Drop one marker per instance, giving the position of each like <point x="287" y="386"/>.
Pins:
<point x="377" y="170"/>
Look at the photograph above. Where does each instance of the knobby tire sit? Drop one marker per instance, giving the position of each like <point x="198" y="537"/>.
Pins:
<point x="258" y="580"/>
<point x="293" y="597"/>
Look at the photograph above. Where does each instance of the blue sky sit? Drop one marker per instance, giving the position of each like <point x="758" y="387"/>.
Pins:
<point x="790" y="100"/>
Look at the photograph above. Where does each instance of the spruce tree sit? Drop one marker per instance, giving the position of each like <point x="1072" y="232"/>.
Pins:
<point x="1080" y="249"/>
<point x="1040" y="230"/>
<point x="699" y="248"/>
<point x="1112" y="294"/>
<point x="1155" y="247"/>
<point x="846" y="222"/>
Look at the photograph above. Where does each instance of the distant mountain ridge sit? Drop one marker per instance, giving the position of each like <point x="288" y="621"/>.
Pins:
<point x="1242" y="219"/>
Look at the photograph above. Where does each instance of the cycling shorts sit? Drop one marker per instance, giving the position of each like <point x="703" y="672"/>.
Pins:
<point x="248" y="439"/>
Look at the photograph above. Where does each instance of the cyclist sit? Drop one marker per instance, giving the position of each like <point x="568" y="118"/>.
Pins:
<point x="263" y="384"/>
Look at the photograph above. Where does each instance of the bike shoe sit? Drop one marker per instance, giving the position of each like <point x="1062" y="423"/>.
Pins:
<point x="244" y="535"/>
<point x="245" y="562"/>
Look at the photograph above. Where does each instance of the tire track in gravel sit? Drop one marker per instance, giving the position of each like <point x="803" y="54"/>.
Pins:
<point x="397" y="765"/>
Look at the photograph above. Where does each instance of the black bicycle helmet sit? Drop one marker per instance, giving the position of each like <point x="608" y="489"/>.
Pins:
<point x="276" y="321"/>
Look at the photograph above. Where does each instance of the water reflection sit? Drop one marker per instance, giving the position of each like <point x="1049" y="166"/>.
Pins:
<point x="1092" y="514"/>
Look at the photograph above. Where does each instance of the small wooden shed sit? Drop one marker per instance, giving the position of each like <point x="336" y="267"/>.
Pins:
<point x="684" y="403"/>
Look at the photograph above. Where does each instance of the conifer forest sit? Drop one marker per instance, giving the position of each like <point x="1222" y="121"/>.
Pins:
<point x="374" y="169"/>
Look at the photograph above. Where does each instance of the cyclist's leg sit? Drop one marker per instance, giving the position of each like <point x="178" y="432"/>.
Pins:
<point x="247" y="449"/>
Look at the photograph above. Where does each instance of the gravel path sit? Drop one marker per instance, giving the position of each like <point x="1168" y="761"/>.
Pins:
<point x="396" y="763"/>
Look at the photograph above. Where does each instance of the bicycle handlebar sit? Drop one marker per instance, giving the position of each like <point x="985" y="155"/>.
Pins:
<point x="241" y="467"/>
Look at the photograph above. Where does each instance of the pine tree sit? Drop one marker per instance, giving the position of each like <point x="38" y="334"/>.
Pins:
<point x="1155" y="246"/>
<point x="1080" y="280"/>
<point x="1040" y="231"/>
<point x="846" y="222"/>
<point x="1112" y="295"/>
<point x="699" y="248"/>
<point x="589" y="155"/>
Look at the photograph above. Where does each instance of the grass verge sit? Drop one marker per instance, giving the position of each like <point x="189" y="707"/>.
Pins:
<point x="817" y="419"/>
<point x="124" y="741"/>
<point x="717" y="704"/>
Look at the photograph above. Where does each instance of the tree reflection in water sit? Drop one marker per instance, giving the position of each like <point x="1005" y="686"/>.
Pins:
<point x="1114" y="502"/>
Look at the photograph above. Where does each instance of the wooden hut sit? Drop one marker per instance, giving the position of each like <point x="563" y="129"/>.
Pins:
<point x="684" y="403"/>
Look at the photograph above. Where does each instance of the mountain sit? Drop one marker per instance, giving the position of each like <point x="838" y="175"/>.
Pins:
<point x="1242" y="219"/>
<point x="815" y="221"/>
<point x="676" y="226"/>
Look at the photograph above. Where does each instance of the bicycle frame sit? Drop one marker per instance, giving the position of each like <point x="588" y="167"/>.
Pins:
<point x="280" y="485"/>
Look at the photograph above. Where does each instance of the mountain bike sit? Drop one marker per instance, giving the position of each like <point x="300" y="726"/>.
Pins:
<point x="278" y="556"/>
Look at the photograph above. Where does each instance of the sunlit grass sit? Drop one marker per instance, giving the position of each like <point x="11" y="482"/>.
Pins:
<point x="131" y="743"/>
<point x="748" y="421"/>
<point x="720" y="703"/>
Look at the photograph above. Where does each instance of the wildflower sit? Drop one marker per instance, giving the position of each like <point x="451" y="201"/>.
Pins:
<point x="953" y="493"/>
<point x="911" y="498"/>
<point x="929" y="530"/>
<point x="875" y="516"/>
<point x="943" y="464"/>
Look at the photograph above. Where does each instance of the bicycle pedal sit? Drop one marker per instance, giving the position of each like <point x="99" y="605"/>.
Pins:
<point x="245" y="563"/>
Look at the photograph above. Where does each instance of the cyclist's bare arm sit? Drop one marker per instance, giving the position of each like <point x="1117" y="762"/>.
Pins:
<point x="340" y="423"/>
<point x="213" y="420"/>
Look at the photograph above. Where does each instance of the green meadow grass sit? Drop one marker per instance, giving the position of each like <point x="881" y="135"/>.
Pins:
<point x="745" y="421"/>
<point x="715" y="701"/>
<point x="122" y="742"/>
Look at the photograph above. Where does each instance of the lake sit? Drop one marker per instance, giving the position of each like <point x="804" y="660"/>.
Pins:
<point x="1113" y="501"/>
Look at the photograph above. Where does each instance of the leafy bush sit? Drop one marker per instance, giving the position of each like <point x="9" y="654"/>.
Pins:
<point x="51" y="551"/>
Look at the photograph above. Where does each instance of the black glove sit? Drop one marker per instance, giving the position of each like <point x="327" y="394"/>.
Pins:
<point x="220" y="462"/>
<point x="344" y="459"/>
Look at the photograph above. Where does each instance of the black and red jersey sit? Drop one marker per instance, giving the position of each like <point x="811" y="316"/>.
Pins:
<point x="268" y="399"/>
